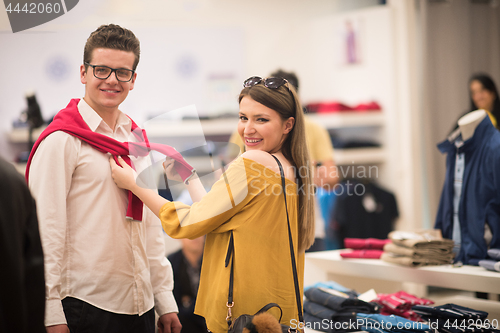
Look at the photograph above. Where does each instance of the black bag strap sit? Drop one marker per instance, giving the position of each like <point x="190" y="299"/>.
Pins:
<point x="230" y="256"/>
<point x="292" y="254"/>
<point x="270" y="306"/>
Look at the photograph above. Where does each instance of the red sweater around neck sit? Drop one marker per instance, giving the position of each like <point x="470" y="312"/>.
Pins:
<point x="69" y="120"/>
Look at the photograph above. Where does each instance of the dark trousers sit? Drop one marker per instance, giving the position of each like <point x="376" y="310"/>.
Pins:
<point x="85" y="318"/>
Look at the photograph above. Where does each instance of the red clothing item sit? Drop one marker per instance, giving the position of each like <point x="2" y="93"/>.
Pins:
<point x="371" y="106"/>
<point x="400" y="304"/>
<point x="365" y="243"/>
<point x="70" y="121"/>
<point x="367" y="254"/>
<point x="327" y="107"/>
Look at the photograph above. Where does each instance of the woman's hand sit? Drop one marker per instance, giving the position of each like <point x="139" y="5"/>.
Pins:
<point x="170" y="171"/>
<point x="123" y="175"/>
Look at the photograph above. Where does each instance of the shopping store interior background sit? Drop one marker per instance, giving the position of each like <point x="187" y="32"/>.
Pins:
<point x="413" y="58"/>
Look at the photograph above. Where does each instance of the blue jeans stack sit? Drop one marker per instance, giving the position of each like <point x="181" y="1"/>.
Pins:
<point x="330" y="307"/>
<point x="330" y="310"/>
<point x="493" y="262"/>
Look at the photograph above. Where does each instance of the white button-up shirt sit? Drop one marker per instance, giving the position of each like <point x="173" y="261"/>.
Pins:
<point x="92" y="252"/>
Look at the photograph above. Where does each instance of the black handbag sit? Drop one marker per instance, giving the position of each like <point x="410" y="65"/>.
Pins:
<point x="242" y="321"/>
<point x="239" y="323"/>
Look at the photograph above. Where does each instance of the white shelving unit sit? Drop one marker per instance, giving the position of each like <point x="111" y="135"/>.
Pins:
<point x="20" y="167"/>
<point x="354" y="120"/>
<point x="226" y="126"/>
<point x="20" y="135"/>
<point x="348" y="119"/>
<point x="186" y="128"/>
<point x="359" y="156"/>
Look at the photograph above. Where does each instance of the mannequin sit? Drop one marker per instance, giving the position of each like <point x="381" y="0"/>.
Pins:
<point x="468" y="210"/>
<point x="467" y="125"/>
<point x="469" y="122"/>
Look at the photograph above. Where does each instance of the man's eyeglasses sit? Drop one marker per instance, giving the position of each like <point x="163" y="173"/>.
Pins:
<point x="270" y="82"/>
<point x="103" y="72"/>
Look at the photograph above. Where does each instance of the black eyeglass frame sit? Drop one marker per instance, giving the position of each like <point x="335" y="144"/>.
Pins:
<point x="111" y="72"/>
<point x="268" y="82"/>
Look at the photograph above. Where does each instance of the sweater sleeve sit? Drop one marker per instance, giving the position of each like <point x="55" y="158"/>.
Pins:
<point x="162" y="276"/>
<point x="229" y="195"/>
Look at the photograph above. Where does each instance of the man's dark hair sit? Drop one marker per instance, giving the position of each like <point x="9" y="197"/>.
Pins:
<point x="112" y="36"/>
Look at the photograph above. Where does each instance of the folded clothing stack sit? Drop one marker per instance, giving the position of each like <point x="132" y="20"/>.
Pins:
<point x="323" y="307"/>
<point x="379" y="323"/>
<point x="333" y="286"/>
<point x="368" y="248"/>
<point x="335" y="106"/>
<point x="418" y="248"/>
<point x="400" y="304"/>
<point x="453" y="318"/>
<point x="491" y="264"/>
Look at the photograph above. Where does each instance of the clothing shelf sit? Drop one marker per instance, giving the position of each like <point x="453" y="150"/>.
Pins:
<point x="348" y="119"/>
<point x="469" y="278"/>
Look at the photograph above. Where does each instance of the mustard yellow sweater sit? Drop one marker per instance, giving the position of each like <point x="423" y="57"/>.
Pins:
<point x="248" y="200"/>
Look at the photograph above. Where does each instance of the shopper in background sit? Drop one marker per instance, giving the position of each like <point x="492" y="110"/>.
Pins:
<point x="104" y="272"/>
<point x="484" y="95"/>
<point x="22" y="296"/>
<point x="247" y="202"/>
<point x="186" y="264"/>
<point x="325" y="174"/>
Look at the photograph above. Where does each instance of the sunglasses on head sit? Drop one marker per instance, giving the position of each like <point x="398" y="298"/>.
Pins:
<point x="270" y="82"/>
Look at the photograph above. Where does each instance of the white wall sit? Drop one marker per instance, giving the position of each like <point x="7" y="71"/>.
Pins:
<point x="219" y="38"/>
<point x="385" y="74"/>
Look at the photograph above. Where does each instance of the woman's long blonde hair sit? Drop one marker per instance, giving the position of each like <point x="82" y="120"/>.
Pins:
<point x="284" y="100"/>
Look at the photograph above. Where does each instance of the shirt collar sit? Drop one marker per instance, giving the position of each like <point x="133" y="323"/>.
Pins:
<point x="484" y="130"/>
<point x="93" y="120"/>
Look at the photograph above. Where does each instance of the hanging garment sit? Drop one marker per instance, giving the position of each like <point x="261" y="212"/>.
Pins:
<point x="364" y="210"/>
<point x="480" y="196"/>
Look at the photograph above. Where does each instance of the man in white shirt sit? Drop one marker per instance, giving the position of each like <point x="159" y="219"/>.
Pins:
<point x="104" y="272"/>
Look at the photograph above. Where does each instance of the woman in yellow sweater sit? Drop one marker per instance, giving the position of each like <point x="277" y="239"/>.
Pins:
<point x="248" y="200"/>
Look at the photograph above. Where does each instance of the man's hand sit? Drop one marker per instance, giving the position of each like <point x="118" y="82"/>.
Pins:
<point x="58" y="329"/>
<point x="168" y="323"/>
